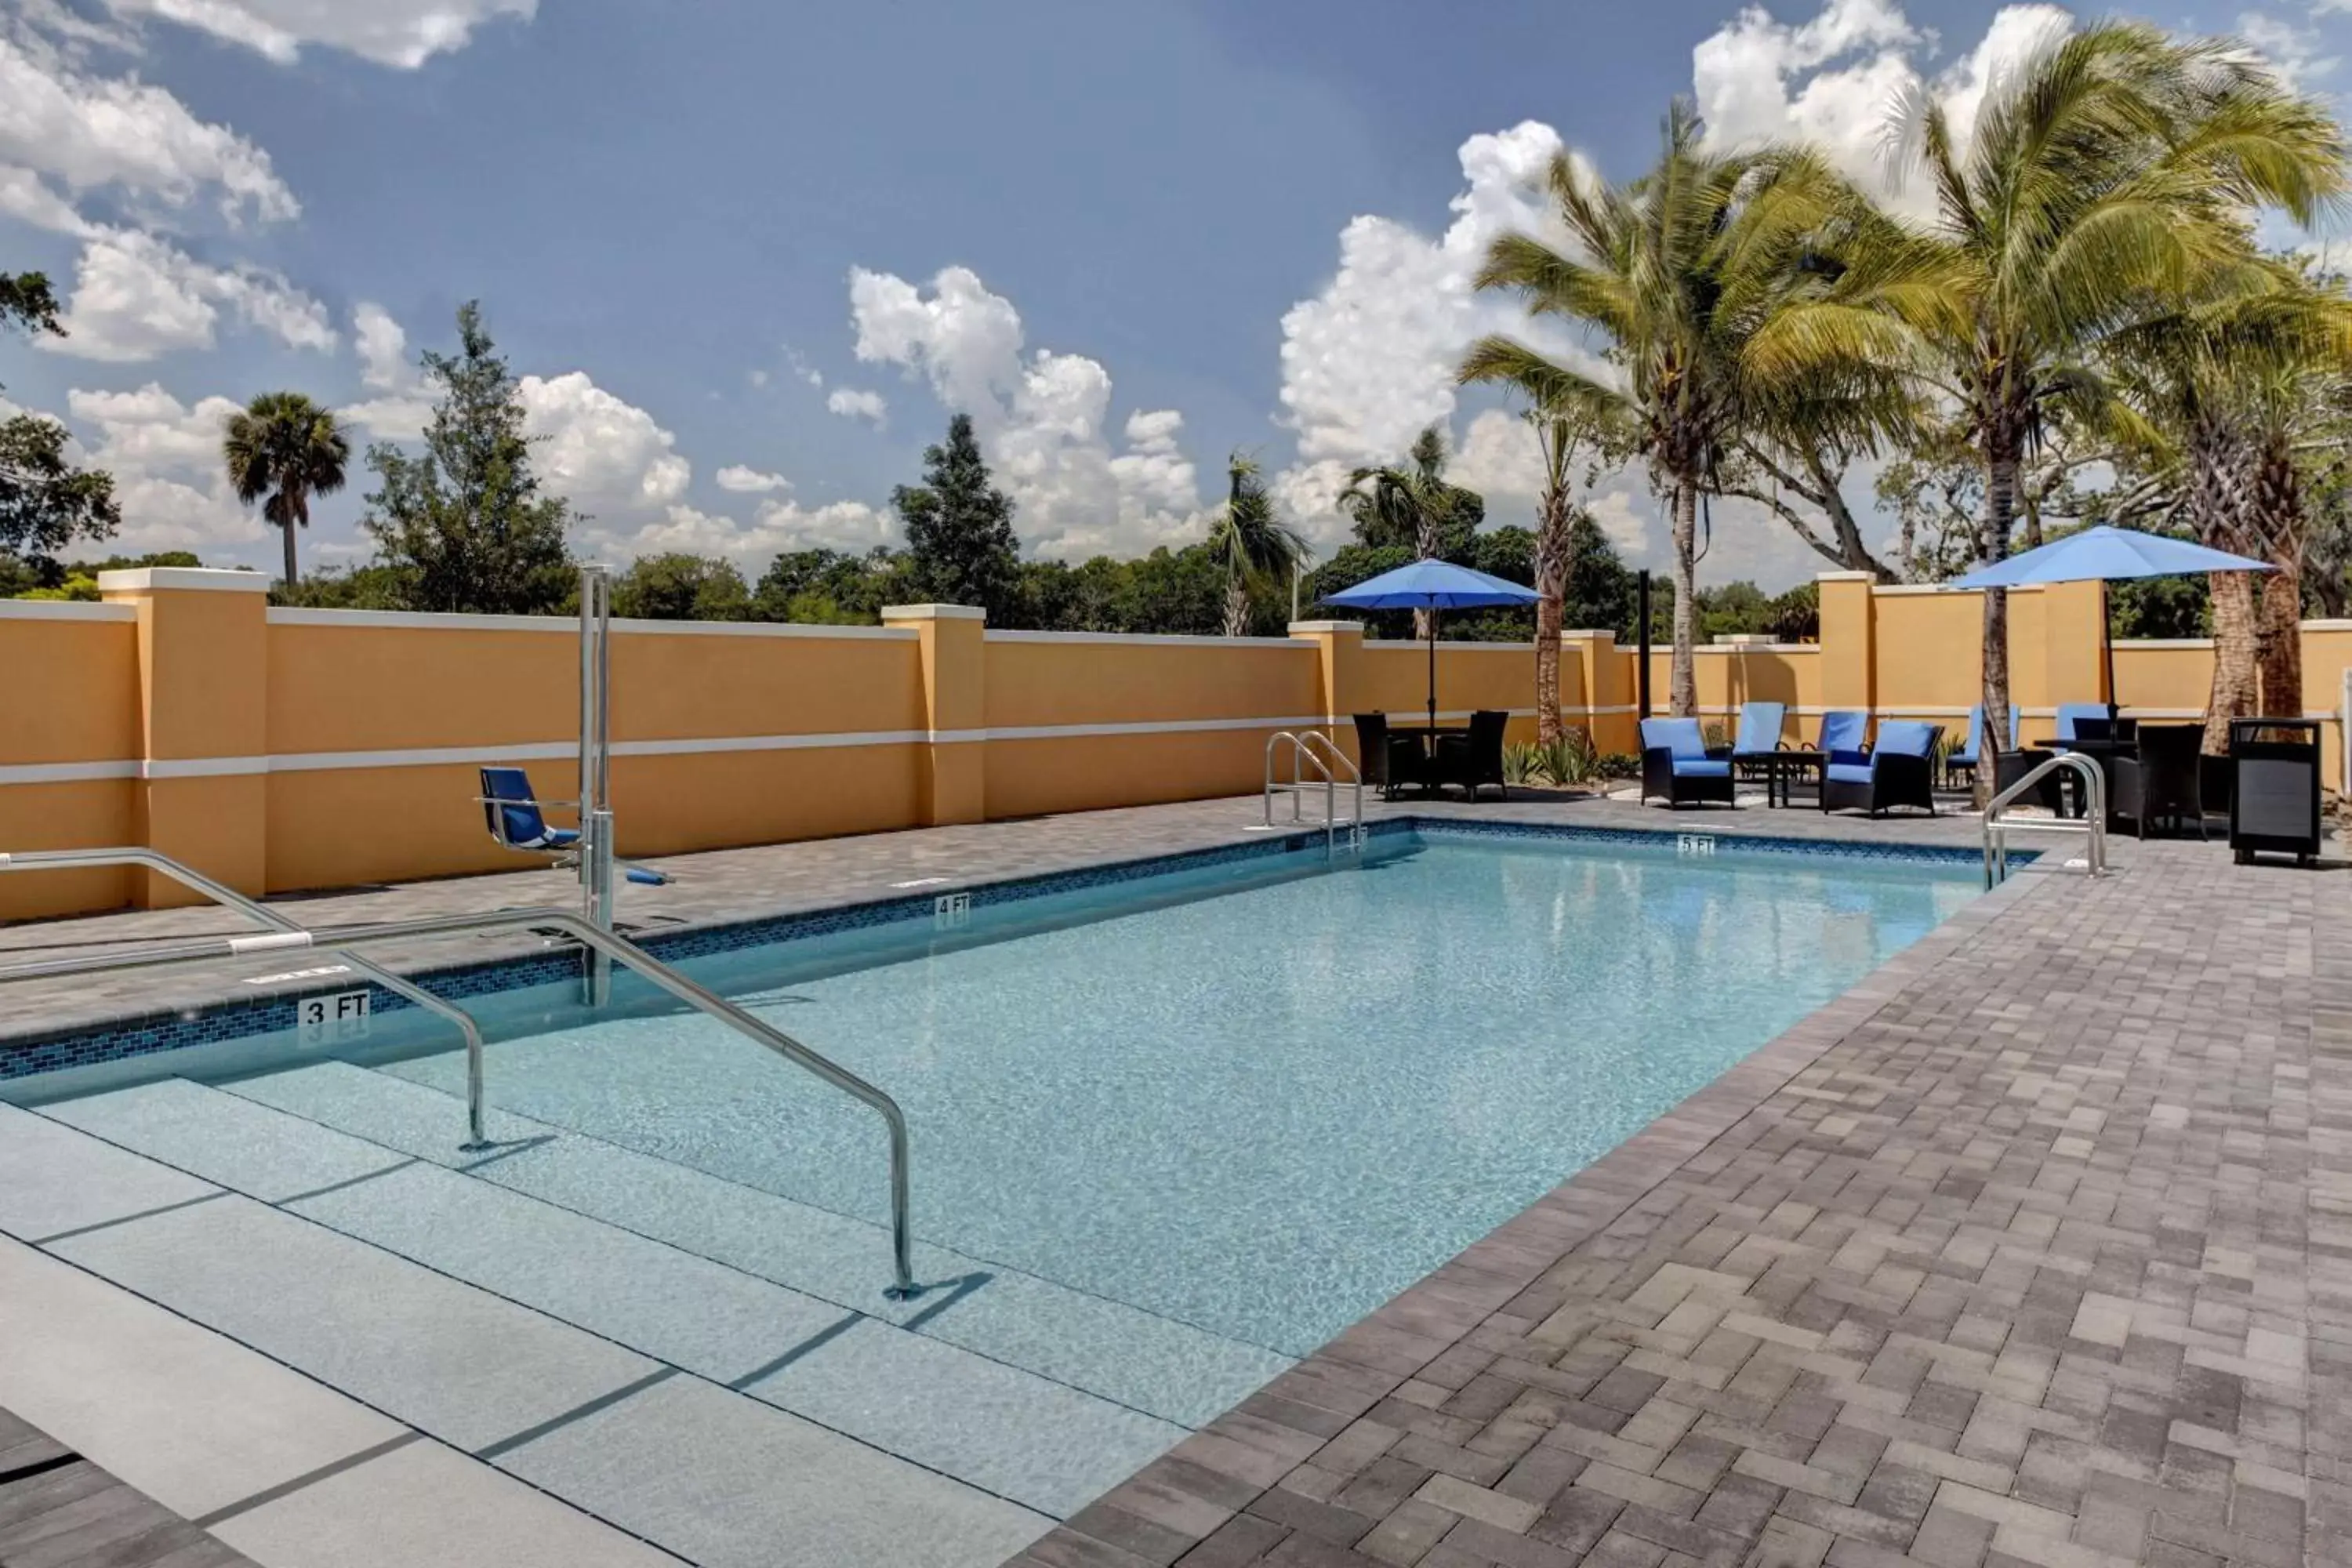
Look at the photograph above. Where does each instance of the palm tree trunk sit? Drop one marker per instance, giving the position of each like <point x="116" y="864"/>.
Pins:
<point x="2278" y="502"/>
<point x="2218" y="503"/>
<point x="2000" y="514"/>
<point x="1551" y="592"/>
<point x="287" y="528"/>
<point x="1237" y="606"/>
<point x="1681" y="691"/>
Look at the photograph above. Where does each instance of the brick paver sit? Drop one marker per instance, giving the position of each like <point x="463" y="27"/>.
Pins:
<point x="2033" y="1249"/>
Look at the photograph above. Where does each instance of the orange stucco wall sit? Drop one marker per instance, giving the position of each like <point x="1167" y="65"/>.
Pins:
<point x="290" y="750"/>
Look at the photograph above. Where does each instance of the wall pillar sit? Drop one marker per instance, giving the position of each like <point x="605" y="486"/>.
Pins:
<point x="1339" y="648"/>
<point x="203" y="794"/>
<point x="1849" y="640"/>
<point x="953" y="786"/>
<point x="1606" y="673"/>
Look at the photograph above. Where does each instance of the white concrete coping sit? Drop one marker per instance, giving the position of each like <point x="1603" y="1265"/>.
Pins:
<point x="1147" y="639"/>
<point x="65" y="610"/>
<point x="569" y="625"/>
<point x="156" y="579"/>
<point x="1297" y="627"/>
<point x="933" y="613"/>
<point x="1846" y="577"/>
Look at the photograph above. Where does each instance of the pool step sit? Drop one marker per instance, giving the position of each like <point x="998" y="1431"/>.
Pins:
<point x="1150" y="1364"/>
<point x="715" y="1475"/>
<point x="1004" y="1430"/>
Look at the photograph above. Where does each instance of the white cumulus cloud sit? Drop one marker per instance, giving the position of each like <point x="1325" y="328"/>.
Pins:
<point x="401" y="33"/>
<point x="1041" y="416"/>
<point x="1368" y="361"/>
<point x="165" y="459"/>
<point x="607" y="456"/>
<point x="776" y="527"/>
<point x="136" y="296"/>
<point x="744" y="480"/>
<point x="401" y="406"/>
<point x="70" y="128"/>
<point x="858" y="403"/>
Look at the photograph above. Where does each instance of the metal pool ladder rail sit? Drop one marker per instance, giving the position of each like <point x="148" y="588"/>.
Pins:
<point x="1313" y="748"/>
<point x="196" y="881"/>
<point x="582" y="930"/>
<point x="2092" y="826"/>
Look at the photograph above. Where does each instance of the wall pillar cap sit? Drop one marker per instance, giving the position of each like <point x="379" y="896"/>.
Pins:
<point x="1846" y="577"/>
<point x="157" y="579"/>
<point x="1299" y="626"/>
<point x="933" y="613"/>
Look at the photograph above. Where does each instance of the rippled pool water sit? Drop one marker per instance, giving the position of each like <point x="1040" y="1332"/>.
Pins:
<point x="1259" y="1104"/>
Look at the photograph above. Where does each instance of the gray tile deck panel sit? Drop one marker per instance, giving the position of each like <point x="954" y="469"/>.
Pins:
<point x="994" y="1427"/>
<point x="53" y="1180"/>
<point x="2031" y="1249"/>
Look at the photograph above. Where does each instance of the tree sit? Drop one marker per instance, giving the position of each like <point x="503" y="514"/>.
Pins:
<point x="679" y="586"/>
<point x="1677" y="274"/>
<point x="1257" y="549"/>
<point x="959" y="537"/>
<point x="45" y="502"/>
<point x="283" y="447"/>
<point x="1562" y="434"/>
<point x="2100" y="182"/>
<point x="1412" y="507"/>
<point x="466" y="523"/>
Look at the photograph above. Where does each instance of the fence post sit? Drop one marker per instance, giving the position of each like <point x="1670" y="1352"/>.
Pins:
<point x="954" y="783"/>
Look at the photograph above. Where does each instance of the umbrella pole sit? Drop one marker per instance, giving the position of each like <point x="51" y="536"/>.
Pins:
<point x="1432" y="672"/>
<point x="2107" y="649"/>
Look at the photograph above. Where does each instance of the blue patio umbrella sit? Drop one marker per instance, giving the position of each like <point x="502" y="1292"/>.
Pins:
<point x="2107" y="554"/>
<point x="1432" y="585"/>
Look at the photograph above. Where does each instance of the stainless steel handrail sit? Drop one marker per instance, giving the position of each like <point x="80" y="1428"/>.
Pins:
<point x="196" y="881"/>
<point x="1313" y="740"/>
<point x="2094" y="823"/>
<point x="571" y="924"/>
<point x="1301" y="751"/>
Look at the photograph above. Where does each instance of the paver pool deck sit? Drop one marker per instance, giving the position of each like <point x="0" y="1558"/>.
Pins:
<point x="2031" y="1248"/>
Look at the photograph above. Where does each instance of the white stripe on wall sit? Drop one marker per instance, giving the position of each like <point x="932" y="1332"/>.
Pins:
<point x="570" y="625"/>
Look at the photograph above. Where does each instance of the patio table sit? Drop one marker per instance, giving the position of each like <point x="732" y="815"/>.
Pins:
<point x="1782" y="767"/>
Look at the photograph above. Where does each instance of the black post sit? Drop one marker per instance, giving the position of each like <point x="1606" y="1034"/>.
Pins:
<point x="1642" y="670"/>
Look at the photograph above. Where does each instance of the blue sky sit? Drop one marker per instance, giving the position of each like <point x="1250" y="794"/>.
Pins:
<point x="749" y="254"/>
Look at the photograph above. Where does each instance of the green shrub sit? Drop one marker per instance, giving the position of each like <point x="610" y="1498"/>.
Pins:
<point x="1618" y="766"/>
<point x="1571" y="760"/>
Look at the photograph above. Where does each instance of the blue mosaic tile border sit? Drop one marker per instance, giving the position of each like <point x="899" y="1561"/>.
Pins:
<point x="237" y="1020"/>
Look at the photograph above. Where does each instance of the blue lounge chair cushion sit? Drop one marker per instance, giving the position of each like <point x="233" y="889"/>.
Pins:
<point x="2069" y="712"/>
<point x="1905" y="738"/>
<point x="1759" y="727"/>
<point x="1842" y="732"/>
<point x="1701" y="768"/>
<point x="521" y="826"/>
<point x="1851" y="772"/>
<point x="1683" y="737"/>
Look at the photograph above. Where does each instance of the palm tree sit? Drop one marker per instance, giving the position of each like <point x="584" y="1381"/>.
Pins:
<point x="1410" y="504"/>
<point x="286" y="447"/>
<point x="1562" y="435"/>
<point x="2102" y="182"/>
<point x="1676" y="274"/>
<point x="1257" y="549"/>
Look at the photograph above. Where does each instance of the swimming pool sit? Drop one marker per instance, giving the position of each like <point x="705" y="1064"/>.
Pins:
<point x="1172" y="1128"/>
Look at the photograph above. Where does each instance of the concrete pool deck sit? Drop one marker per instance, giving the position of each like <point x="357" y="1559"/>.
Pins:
<point x="2021" y="1251"/>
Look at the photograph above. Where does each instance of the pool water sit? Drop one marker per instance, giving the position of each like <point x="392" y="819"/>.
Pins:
<point x="1259" y="1102"/>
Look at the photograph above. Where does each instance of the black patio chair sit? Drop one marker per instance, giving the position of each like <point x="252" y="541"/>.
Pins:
<point x="1899" y="771"/>
<point x="2161" y="783"/>
<point x="1473" y="758"/>
<point x="1390" y="763"/>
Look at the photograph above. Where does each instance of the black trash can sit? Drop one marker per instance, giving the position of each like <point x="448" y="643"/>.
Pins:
<point x="2274" y="788"/>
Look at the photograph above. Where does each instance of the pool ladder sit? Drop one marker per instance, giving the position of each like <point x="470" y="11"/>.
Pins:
<point x="284" y="935"/>
<point x="2093" y="824"/>
<point x="1313" y="749"/>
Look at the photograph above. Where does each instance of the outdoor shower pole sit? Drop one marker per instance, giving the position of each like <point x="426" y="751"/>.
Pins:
<point x="595" y="769"/>
<point x="1642" y="670"/>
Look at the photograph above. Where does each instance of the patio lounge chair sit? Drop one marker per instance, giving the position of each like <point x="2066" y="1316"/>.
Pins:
<point x="1473" y="758"/>
<point x="517" y="820"/>
<point x="1844" y="735"/>
<point x="1758" y="735"/>
<point x="1678" y="763"/>
<point x="2083" y="721"/>
<point x="1962" y="764"/>
<point x="2161" y="783"/>
<point x="1899" y="771"/>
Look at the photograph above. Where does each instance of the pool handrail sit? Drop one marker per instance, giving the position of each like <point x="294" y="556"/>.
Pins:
<point x="2094" y="823"/>
<point x="571" y="924"/>
<point x="196" y="881"/>
<point x="1313" y="747"/>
